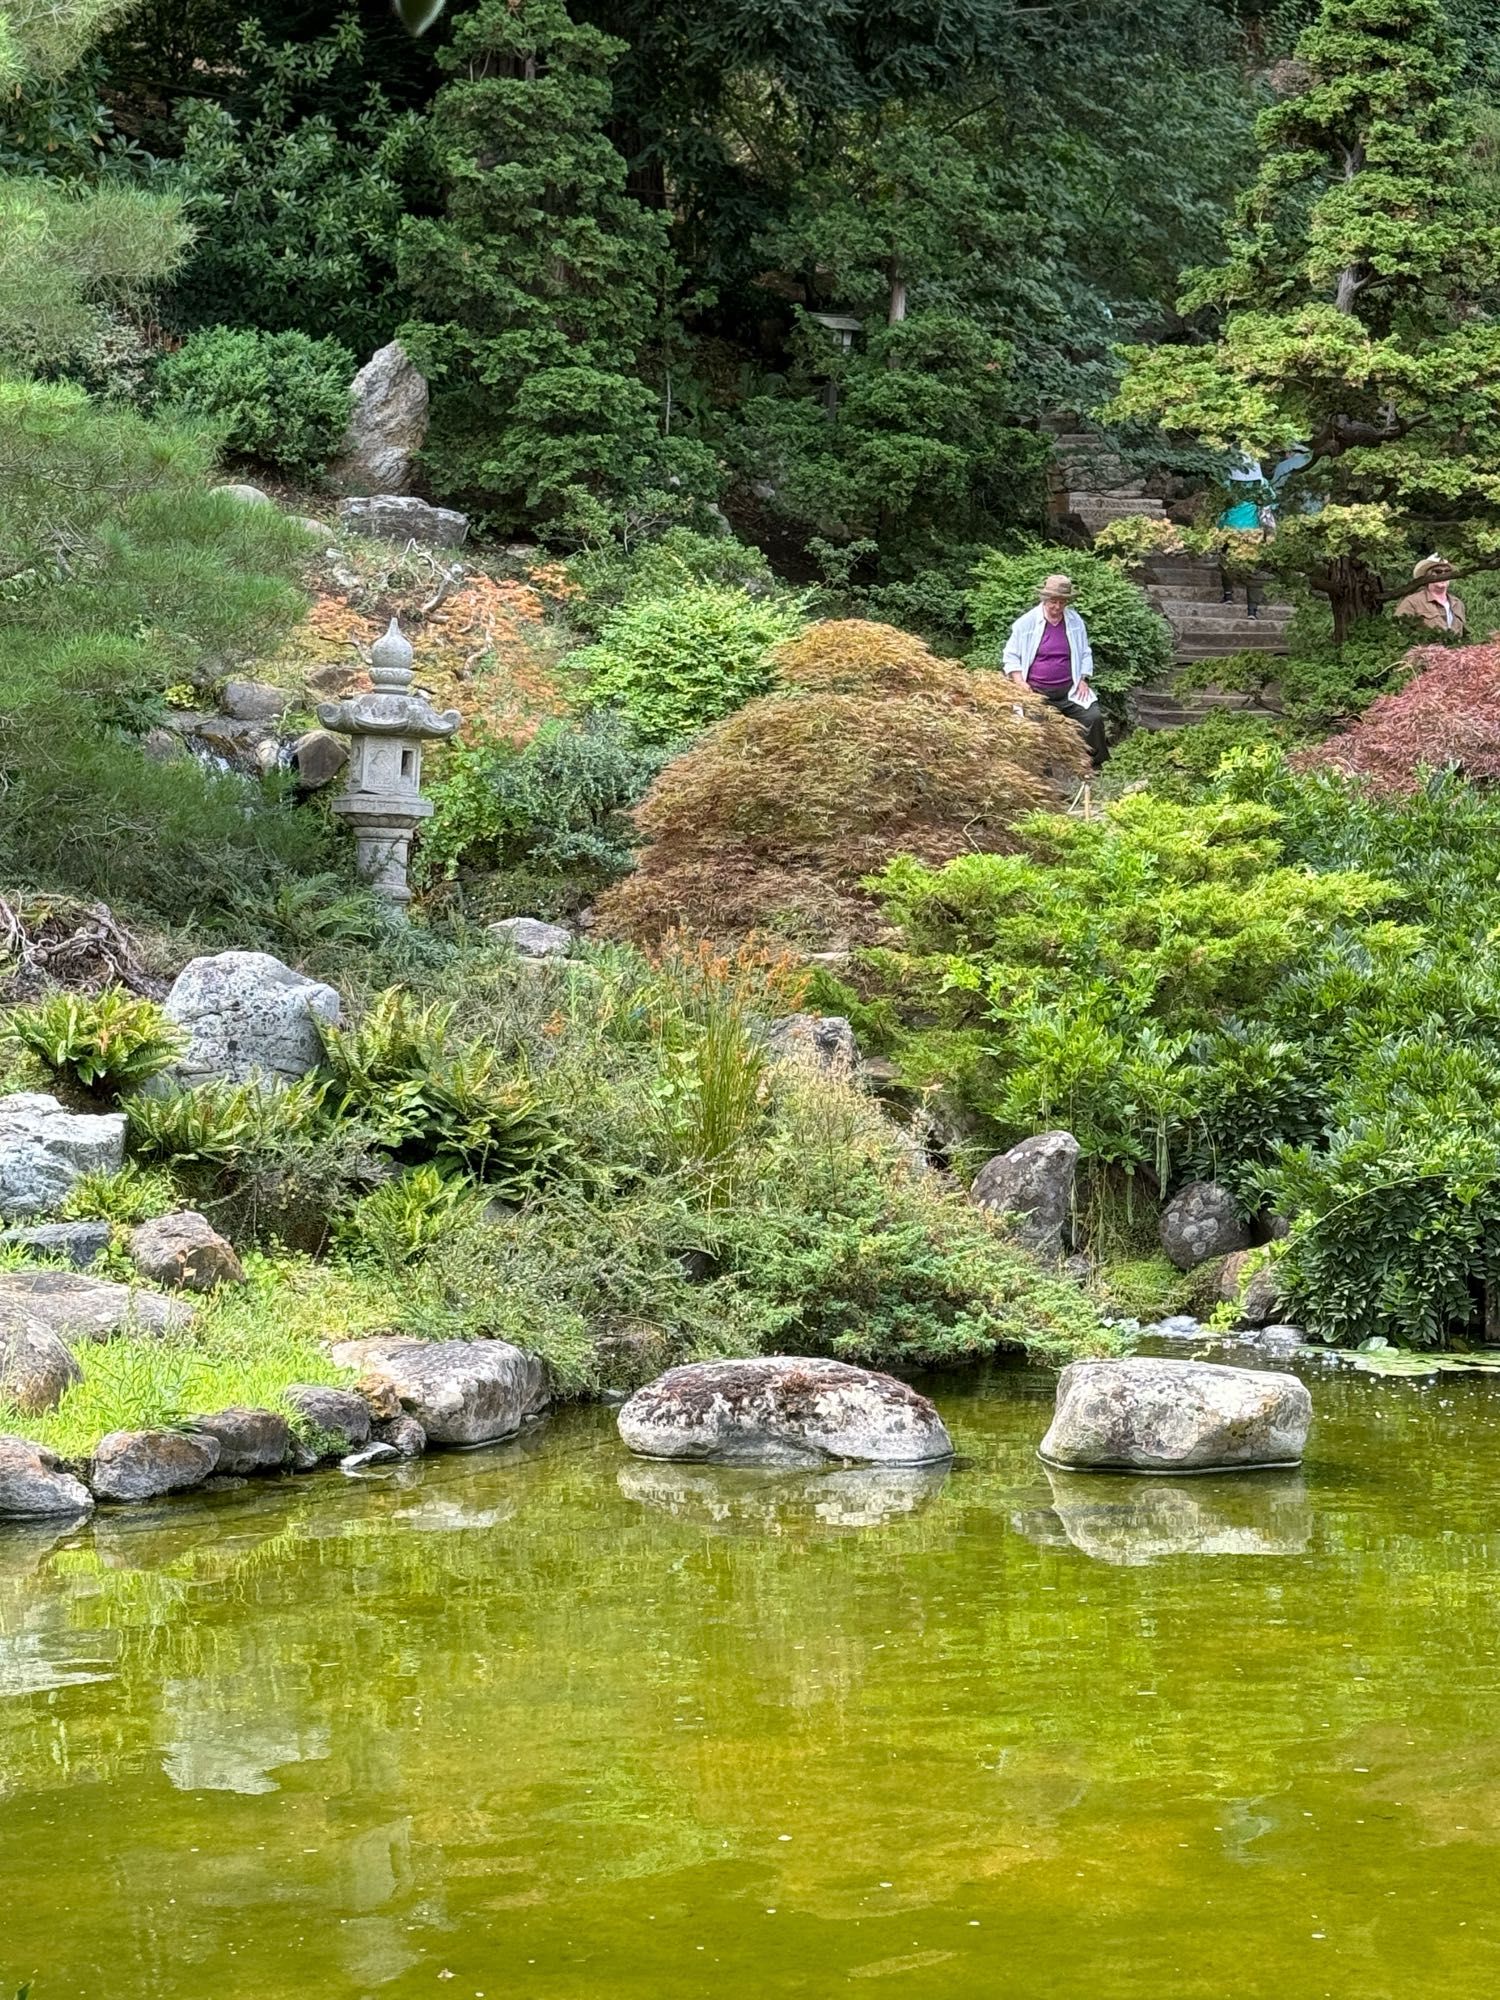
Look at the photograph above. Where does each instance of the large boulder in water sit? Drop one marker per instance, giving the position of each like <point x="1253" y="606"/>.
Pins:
<point x="1199" y="1222"/>
<point x="459" y="1391"/>
<point x="783" y="1410"/>
<point x="247" y="1016"/>
<point x="1142" y="1414"/>
<point x="1032" y="1185"/>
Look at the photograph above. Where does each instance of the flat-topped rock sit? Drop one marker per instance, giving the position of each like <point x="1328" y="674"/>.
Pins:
<point x="399" y="517"/>
<point x="247" y="1016"/>
<point x="532" y="938"/>
<point x="460" y="1391"/>
<point x="78" y="1308"/>
<point x="77" y="1243"/>
<point x="1145" y="1414"/>
<point x="782" y="1410"/>
<point x="143" y="1465"/>
<point x="254" y="701"/>
<point x="44" y="1149"/>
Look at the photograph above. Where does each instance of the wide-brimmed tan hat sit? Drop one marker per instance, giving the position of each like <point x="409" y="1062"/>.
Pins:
<point x="1431" y="569"/>
<point x="1056" y="586"/>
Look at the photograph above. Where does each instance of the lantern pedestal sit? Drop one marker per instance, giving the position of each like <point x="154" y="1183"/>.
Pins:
<point x="382" y="798"/>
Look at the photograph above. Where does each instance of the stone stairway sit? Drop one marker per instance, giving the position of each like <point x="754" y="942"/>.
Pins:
<point x="1188" y="592"/>
<point x="1093" y="483"/>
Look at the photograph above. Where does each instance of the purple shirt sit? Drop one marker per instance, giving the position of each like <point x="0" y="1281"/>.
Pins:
<point x="1052" y="669"/>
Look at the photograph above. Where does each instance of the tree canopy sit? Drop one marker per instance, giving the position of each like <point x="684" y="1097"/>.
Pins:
<point x="1353" y="312"/>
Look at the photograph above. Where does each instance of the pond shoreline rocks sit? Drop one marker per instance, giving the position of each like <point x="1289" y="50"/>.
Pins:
<point x="1151" y="1415"/>
<point x="787" y="1410"/>
<point x="461" y="1392"/>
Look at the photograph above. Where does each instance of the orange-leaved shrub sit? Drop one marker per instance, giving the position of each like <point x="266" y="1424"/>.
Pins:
<point x="1447" y="714"/>
<point x="870" y="746"/>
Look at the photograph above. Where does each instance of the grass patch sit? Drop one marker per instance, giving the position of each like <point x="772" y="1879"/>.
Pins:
<point x="247" y="1345"/>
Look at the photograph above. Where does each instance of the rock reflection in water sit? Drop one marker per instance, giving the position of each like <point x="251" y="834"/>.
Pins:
<point x="774" y="1501"/>
<point x="1128" y="1520"/>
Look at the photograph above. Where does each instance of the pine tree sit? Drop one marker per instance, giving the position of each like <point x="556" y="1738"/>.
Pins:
<point x="1353" y="316"/>
<point x="544" y="283"/>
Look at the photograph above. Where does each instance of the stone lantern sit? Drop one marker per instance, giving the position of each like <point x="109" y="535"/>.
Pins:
<point x="382" y="797"/>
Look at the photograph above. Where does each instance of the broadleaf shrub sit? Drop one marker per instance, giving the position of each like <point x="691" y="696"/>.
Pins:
<point x="1131" y="641"/>
<point x="676" y="662"/>
<point x="871" y="747"/>
<point x="280" y="398"/>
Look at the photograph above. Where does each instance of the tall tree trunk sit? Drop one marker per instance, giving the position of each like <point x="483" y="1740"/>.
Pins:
<point x="1355" y="592"/>
<point x="896" y="309"/>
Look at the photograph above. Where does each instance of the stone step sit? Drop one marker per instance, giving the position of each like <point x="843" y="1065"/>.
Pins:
<point x="1190" y="614"/>
<point x="1167" y="573"/>
<point x="1117" y="504"/>
<point x="1197" y="647"/>
<point x="1160" y="707"/>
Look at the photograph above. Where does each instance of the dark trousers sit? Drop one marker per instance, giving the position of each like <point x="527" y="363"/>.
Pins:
<point x="1090" y="720"/>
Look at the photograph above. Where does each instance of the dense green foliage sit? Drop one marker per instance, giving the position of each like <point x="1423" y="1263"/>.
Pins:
<point x="541" y="285"/>
<point x="122" y="575"/>
<point x="675" y="663"/>
<point x="542" y="825"/>
<point x="297" y="186"/>
<point x="280" y="398"/>
<point x="102" y="1042"/>
<point x="1355" y="323"/>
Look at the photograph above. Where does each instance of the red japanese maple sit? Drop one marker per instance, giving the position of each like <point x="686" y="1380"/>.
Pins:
<point x="1447" y="714"/>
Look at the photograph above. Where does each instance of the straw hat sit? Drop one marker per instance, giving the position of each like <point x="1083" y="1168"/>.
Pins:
<point x="1432" y="569"/>
<point x="1057" y="586"/>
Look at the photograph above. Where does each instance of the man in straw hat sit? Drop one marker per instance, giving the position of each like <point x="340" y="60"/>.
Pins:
<point x="1432" y="602"/>
<point x="1048" y="651"/>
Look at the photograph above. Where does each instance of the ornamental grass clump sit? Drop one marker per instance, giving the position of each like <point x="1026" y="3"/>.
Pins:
<point x="870" y="746"/>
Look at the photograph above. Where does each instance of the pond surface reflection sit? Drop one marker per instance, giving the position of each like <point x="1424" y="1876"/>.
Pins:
<point x="556" y="1723"/>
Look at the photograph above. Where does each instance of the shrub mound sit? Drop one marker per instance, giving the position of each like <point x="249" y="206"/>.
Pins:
<point x="1446" y="715"/>
<point x="678" y="661"/>
<point x="870" y="747"/>
<point x="281" y="398"/>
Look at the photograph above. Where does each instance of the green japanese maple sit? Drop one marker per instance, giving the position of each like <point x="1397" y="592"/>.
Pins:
<point x="1355" y="316"/>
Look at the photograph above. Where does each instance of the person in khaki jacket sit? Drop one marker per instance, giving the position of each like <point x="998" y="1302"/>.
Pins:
<point x="1432" y="602"/>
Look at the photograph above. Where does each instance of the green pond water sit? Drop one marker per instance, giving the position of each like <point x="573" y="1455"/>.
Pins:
<point x="545" y="1722"/>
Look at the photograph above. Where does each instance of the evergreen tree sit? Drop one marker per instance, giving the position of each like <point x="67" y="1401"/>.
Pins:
<point x="543" y="286"/>
<point x="1352" y="323"/>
